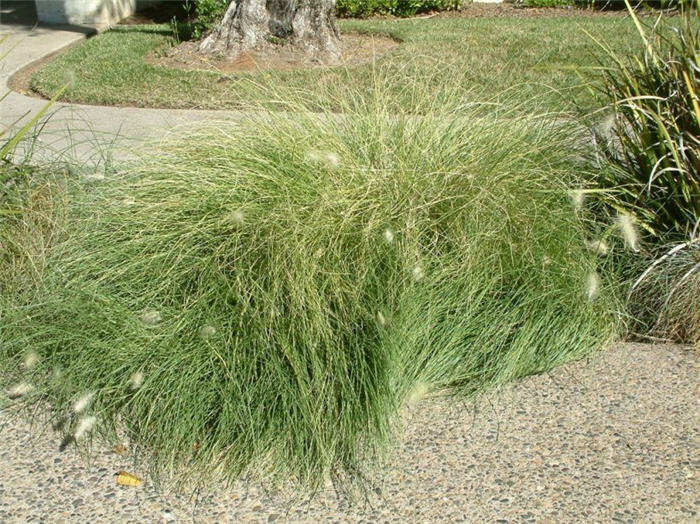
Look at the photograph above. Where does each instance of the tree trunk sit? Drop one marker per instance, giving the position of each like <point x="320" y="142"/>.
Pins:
<point x="308" y="26"/>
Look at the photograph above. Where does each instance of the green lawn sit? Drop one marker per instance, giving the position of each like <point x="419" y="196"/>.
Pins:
<point x="519" y="60"/>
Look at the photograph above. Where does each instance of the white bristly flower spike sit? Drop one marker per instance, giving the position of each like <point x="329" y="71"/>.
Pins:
<point x="84" y="426"/>
<point x="578" y="197"/>
<point x="388" y="235"/>
<point x="19" y="390"/>
<point x="313" y="156"/>
<point x="237" y="218"/>
<point x="136" y="380"/>
<point x="629" y="231"/>
<point x="418" y="273"/>
<point x="82" y="403"/>
<point x="418" y="392"/>
<point x="332" y="159"/>
<point x="380" y="318"/>
<point x="592" y="286"/>
<point x="128" y="202"/>
<point x="30" y="360"/>
<point x="150" y="317"/>
<point x="94" y="177"/>
<point x="597" y="246"/>
<point x="207" y="332"/>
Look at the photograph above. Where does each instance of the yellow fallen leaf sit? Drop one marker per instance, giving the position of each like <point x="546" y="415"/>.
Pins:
<point x="125" y="478"/>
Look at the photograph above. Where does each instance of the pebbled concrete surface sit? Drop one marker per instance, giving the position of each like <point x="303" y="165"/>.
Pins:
<point x="612" y="439"/>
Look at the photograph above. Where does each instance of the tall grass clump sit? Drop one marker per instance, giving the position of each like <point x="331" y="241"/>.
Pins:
<point x="31" y="203"/>
<point x="261" y="297"/>
<point x="650" y="171"/>
<point x="652" y="142"/>
<point x="665" y="298"/>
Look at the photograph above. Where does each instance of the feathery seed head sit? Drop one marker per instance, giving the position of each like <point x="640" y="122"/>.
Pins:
<point x="592" y="286"/>
<point x="85" y="425"/>
<point x="237" y="218"/>
<point x="327" y="158"/>
<point x="313" y="156"/>
<point x="150" y="317"/>
<point x="129" y="201"/>
<point x="418" y="273"/>
<point x="597" y="246"/>
<point x="578" y="197"/>
<point x="381" y="320"/>
<point x="83" y="402"/>
<point x="388" y="235"/>
<point x="332" y="159"/>
<point x="207" y="332"/>
<point x="419" y="390"/>
<point x="94" y="177"/>
<point x="19" y="389"/>
<point x="629" y="232"/>
<point x="57" y="373"/>
<point x="136" y="380"/>
<point x="30" y="360"/>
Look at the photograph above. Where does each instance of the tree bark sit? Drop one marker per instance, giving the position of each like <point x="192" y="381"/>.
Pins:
<point x="308" y="26"/>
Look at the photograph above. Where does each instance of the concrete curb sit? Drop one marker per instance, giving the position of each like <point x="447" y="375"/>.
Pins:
<point x="90" y="135"/>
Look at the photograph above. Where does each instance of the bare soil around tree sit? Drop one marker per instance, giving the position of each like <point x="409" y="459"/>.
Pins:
<point x="356" y="49"/>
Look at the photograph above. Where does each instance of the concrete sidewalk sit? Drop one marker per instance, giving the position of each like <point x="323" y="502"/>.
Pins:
<point x="612" y="439"/>
<point x="82" y="133"/>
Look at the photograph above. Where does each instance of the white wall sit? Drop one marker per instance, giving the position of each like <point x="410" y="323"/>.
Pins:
<point x="85" y="11"/>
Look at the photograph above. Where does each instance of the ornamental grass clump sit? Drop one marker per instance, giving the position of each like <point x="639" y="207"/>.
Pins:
<point x="263" y="297"/>
<point x="665" y="298"/>
<point x="652" y="142"/>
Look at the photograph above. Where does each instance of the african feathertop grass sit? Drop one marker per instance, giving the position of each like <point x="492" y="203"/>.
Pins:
<point x="262" y="297"/>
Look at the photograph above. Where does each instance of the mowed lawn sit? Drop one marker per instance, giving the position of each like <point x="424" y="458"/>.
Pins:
<point x="540" y="63"/>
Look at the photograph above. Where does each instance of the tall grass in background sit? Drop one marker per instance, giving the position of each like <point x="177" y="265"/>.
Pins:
<point x="650" y="174"/>
<point x="263" y="297"/>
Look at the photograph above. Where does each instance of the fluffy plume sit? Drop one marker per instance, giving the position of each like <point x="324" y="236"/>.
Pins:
<point x="19" y="389"/>
<point x="629" y="231"/>
<point x="578" y="197"/>
<point x="85" y="425"/>
<point x="419" y="390"/>
<point x="82" y="403"/>
<point x="207" y="332"/>
<point x="30" y="360"/>
<point x="151" y="317"/>
<point x="418" y="273"/>
<point x="94" y="177"/>
<point x="592" y="286"/>
<point x="380" y="318"/>
<point x="597" y="246"/>
<point x="328" y="158"/>
<point x="388" y="235"/>
<point x="136" y="380"/>
<point x="332" y="159"/>
<point x="237" y="218"/>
